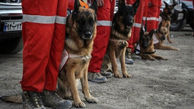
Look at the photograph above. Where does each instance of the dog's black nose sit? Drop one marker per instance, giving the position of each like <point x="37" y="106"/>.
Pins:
<point x="87" y="35"/>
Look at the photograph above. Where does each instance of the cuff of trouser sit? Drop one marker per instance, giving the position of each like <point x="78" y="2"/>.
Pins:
<point x="130" y="46"/>
<point x="50" y="88"/>
<point x="94" y="71"/>
<point x="94" y="67"/>
<point x="31" y="89"/>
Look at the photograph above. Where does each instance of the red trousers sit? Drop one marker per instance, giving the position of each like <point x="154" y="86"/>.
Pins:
<point x="43" y="37"/>
<point x="152" y="14"/>
<point x="104" y="18"/>
<point x="138" y="21"/>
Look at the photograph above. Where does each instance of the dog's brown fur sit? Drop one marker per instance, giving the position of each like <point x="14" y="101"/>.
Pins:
<point x="116" y="49"/>
<point x="160" y="34"/>
<point x="121" y="32"/>
<point x="77" y="67"/>
<point x="166" y="18"/>
<point x="147" y="50"/>
<point x="166" y="23"/>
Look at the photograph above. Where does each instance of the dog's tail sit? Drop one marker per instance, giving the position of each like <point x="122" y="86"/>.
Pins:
<point x="12" y="98"/>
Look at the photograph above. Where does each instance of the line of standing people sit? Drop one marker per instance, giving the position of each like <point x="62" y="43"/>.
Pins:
<point x="43" y="37"/>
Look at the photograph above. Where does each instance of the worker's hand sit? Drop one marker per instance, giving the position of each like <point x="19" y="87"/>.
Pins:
<point x="100" y="3"/>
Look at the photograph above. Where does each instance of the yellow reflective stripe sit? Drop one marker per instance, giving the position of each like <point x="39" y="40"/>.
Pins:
<point x="104" y="23"/>
<point x="44" y="19"/>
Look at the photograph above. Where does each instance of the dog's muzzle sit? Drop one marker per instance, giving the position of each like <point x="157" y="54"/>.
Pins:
<point x="144" y="45"/>
<point x="162" y="38"/>
<point x="87" y="36"/>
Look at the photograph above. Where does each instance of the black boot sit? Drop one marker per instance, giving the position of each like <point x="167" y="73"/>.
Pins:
<point x="32" y="100"/>
<point x="52" y="99"/>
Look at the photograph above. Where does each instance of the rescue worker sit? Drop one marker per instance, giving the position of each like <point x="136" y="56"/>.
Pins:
<point x="152" y="14"/>
<point x="135" y="30"/>
<point x="43" y="39"/>
<point x="104" y="18"/>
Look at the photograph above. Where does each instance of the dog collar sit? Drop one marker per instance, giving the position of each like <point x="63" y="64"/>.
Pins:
<point x="149" y="52"/>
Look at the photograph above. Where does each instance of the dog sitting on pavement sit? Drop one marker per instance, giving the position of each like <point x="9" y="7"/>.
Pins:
<point x="121" y="32"/>
<point x="146" y="45"/>
<point x="159" y="36"/>
<point x="80" y="34"/>
<point x="166" y="18"/>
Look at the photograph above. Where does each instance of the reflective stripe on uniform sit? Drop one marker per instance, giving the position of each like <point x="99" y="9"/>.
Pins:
<point x="138" y="25"/>
<point x="150" y="18"/>
<point x="44" y="19"/>
<point x="60" y="20"/>
<point x="104" y="23"/>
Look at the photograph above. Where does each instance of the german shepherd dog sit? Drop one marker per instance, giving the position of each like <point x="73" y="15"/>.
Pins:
<point x="146" y="44"/>
<point x="166" y="18"/>
<point x="121" y="32"/>
<point x="80" y="33"/>
<point x="160" y="35"/>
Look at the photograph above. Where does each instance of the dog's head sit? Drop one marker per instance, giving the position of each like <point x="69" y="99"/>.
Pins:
<point x="146" y="38"/>
<point x="125" y="15"/>
<point x="168" y="8"/>
<point x="162" y="32"/>
<point x="84" y="20"/>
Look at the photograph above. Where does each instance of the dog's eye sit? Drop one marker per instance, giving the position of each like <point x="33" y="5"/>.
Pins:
<point x="91" y="21"/>
<point x="81" y="21"/>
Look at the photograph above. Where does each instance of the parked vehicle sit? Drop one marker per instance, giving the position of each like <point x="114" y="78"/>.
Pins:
<point x="10" y="26"/>
<point x="182" y="15"/>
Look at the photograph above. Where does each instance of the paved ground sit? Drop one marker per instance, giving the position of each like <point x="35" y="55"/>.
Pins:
<point x="155" y="84"/>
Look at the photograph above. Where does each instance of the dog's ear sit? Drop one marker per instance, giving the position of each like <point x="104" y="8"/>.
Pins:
<point x="121" y="4"/>
<point x="151" y="33"/>
<point x="166" y="4"/>
<point x="174" y="3"/>
<point x="76" y="6"/>
<point x="94" y="6"/>
<point x="160" y="25"/>
<point x="141" y="33"/>
<point x="136" y="5"/>
<point x="76" y="9"/>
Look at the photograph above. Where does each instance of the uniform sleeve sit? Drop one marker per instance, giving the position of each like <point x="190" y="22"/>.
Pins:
<point x="71" y="4"/>
<point x="130" y="2"/>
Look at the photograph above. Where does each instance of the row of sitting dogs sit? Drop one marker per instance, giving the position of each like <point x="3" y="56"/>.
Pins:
<point x="80" y="34"/>
<point x="146" y="42"/>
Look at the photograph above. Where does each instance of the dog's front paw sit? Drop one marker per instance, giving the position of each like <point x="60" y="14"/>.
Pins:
<point x="152" y="59"/>
<point x="117" y="75"/>
<point x="91" y="99"/>
<point x="123" y="44"/>
<point x="79" y="104"/>
<point x="126" y="75"/>
<point x="177" y="49"/>
<point x="170" y="41"/>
